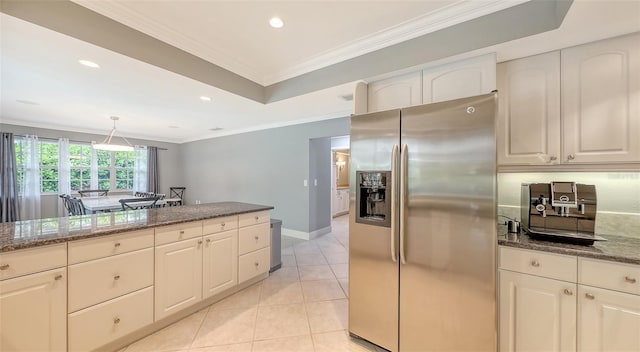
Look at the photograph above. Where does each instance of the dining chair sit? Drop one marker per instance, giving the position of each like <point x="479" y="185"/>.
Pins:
<point x="177" y="192"/>
<point x="65" y="201"/>
<point x="97" y="192"/>
<point x="138" y="203"/>
<point x="75" y="206"/>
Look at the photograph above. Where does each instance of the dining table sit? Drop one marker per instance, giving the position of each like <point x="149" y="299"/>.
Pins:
<point x="112" y="202"/>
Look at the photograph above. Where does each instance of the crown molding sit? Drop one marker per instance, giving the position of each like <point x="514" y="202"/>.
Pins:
<point x="451" y="15"/>
<point x="267" y="126"/>
<point x="448" y="16"/>
<point x="120" y="12"/>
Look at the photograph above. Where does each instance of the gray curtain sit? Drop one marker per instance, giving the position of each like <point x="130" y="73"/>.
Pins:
<point x="152" y="169"/>
<point x="9" y="208"/>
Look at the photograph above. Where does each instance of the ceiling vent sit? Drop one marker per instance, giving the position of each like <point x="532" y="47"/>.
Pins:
<point x="347" y="97"/>
<point x="215" y="129"/>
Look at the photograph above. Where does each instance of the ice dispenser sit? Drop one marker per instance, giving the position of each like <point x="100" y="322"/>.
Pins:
<point x="373" y="198"/>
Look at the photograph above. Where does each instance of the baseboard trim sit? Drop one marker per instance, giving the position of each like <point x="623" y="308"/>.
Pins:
<point x="319" y="232"/>
<point x="295" y="233"/>
<point x="305" y="235"/>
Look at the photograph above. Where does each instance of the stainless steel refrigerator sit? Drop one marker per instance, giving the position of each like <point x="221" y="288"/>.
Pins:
<point x="422" y="235"/>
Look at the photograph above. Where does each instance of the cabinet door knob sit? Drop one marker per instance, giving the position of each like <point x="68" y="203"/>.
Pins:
<point x="4" y="267"/>
<point x="222" y="224"/>
<point x="200" y="242"/>
<point x="182" y="232"/>
<point x="257" y="238"/>
<point x="208" y="240"/>
<point x="116" y="320"/>
<point x="568" y="292"/>
<point x="552" y="158"/>
<point x="117" y="277"/>
<point x="57" y="277"/>
<point x="117" y="244"/>
<point x="629" y="279"/>
<point x="257" y="218"/>
<point x="256" y="264"/>
<point x="571" y="157"/>
<point x="535" y="263"/>
<point x="589" y="296"/>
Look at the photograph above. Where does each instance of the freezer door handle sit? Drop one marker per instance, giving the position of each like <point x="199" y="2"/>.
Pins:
<point x="394" y="211"/>
<point x="403" y="190"/>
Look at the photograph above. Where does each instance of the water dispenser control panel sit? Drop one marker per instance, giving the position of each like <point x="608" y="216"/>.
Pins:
<point x="373" y="198"/>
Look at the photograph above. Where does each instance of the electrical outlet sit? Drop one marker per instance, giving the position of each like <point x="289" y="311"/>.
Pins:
<point x="197" y="201"/>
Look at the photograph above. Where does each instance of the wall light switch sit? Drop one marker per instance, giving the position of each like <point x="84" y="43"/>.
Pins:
<point x="315" y="182"/>
<point x="305" y="183"/>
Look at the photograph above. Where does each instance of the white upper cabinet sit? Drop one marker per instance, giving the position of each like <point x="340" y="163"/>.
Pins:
<point x="528" y="126"/>
<point x="459" y="79"/>
<point x="601" y="101"/>
<point x="395" y="92"/>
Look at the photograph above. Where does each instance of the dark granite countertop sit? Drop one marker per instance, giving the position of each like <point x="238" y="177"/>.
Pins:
<point x="616" y="248"/>
<point x="34" y="233"/>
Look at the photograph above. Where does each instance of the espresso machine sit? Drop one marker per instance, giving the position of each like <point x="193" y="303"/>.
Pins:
<point x="560" y="211"/>
<point x="373" y="199"/>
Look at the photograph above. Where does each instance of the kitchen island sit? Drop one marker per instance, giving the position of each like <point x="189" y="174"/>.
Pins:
<point x="101" y="281"/>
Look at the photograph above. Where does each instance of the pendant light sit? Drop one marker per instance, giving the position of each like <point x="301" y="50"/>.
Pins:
<point x="107" y="143"/>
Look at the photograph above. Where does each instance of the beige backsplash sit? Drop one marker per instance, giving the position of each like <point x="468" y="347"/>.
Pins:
<point x="618" y="197"/>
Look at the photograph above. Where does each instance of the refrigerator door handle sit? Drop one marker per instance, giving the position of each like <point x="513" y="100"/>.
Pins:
<point x="394" y="211"/>
<point x="403" y="190"/>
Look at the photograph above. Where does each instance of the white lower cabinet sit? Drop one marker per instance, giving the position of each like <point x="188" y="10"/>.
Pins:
<point x="33" y="312"/>
<point x="597" y="309"/>
<point x="253" y="264"/>
<point x="219" y="262"/>
<point x="536" y="313"/>
<point x="100" y="324"/>
<point x="608" y="320"/>
<point x="178" y="276"/>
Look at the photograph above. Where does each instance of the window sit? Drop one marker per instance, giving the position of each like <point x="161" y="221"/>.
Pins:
<point x="80" y="163"/>
<point x="115" y="169"/>
<point x="48" y="165"/>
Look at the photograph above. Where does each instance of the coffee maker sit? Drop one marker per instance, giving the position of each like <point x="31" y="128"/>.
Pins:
<point x="560" y="211"/>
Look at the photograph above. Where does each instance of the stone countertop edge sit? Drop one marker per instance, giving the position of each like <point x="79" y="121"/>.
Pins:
<point x="616" y="249"/>
<point x="143" y="219"/>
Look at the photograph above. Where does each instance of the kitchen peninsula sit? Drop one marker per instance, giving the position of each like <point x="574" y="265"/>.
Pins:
<point x="104" y="280"/>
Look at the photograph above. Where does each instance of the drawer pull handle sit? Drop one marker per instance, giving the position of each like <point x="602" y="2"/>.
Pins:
<point x="589" y="296"/>
<point x="257" y="238"/>
<point x="57" y="277"/>
<point x="200" y="242"/>
<point x="117" y="244"/>
<point x="4" y="267"/>
<point x="568" y="292"/>
<point x="256" y="264"/>
<point x="116" y="320"/>
<point x="208" y="240"/>
<point x="117" y="277"/>
<point x="222" y="224"/>
<point x="182" y="232"/>
<point x="535" y="263"/>
<point x="631" y="280"/>
<point x="257" y="218"/>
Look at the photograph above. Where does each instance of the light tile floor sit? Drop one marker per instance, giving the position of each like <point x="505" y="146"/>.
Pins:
<point x="301" y="307"/>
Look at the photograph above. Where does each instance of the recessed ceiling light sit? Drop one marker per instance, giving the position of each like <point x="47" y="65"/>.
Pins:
<point x="89" y="63"/>
<point x="276" y="22"/>
<point x="205" y="98"/>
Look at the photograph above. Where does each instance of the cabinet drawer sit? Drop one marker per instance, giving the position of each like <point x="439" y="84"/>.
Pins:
<point x="174" y="233"/>
<point x="614" y="276"/>
<point x="33" y="260"/>
<point x="98" y="325"/>
<point x="99" y="280"/>
<point x="554" y="266"/>
<point x="95" y="248"/>
<point x="254" y="218"/>
<point x="253" y="264"/>
<point x="253" y="237"/>
<point x="219" y="224"/>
